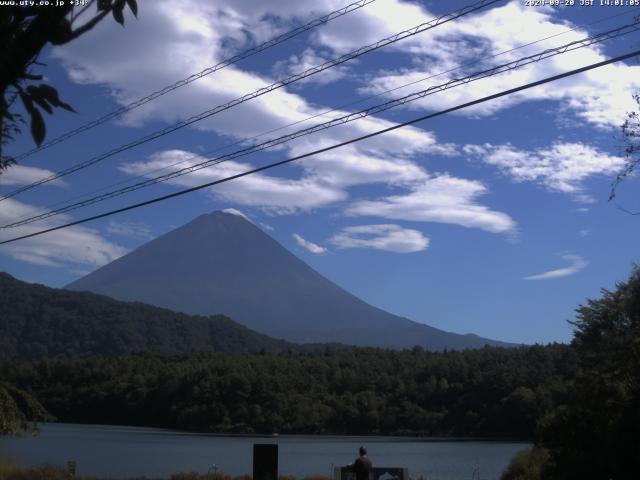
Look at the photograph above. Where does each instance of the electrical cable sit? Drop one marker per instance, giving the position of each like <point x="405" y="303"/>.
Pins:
<point x="571" y="46"/>
<point x="324" y="113"/>
<point x="262" y="91"/>
<point x="510" y="91"/>
<point x="196" y="76"/>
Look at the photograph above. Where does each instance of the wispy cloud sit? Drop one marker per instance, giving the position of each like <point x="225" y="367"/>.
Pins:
<point x="563" y="167"/>
<point x="576" y="262"/>
<point x="389" y="237"/>
<point x="442" y="199"/>
<point x="21" y="175"/>
<point x="237" y="213"/>
<point x="310" y="246"/>
<point x="135" y="230"/>
<point x="601" y="98"/>
<point x="307" y="59"/>
<point x="197" y="36"/>
<point x="74" y="245"/>
<point x="272" y="193"/>
<point x="267" y="227"/>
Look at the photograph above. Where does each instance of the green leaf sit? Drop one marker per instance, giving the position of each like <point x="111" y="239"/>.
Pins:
<point x="27" y="102"/>
<point x="118" y="11"/>
<point x="38" y="129"/>
<point x="66" y="106"/>
<point x="36" y="95"/>
<point x="42" y="103"/>
<point x="51" y="95"/>
<point x="133" y="5"/>
<point x="49" y="92"/>
<point x="104" y="5"/>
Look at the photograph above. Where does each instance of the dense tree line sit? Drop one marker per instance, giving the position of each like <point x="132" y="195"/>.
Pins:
<point x="579" y="402"/>
<point x="594" y="433"/>
<point x="485" y="392"/>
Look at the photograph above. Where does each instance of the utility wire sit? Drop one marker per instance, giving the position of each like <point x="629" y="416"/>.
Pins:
<point x="527" y="86"/>
<point x="324" y="113"/>
<point x="196" y="76"/>
<point x="274" y="86"/>
<point x="571" y="46"/>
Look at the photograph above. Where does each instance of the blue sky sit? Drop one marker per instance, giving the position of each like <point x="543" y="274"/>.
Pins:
<point x="493" y="220"/>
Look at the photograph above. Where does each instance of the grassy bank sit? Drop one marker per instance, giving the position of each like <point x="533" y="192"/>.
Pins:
<point x="13" y="470"/>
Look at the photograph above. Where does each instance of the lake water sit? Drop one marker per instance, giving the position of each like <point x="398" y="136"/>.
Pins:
<point x="131" y="451"/>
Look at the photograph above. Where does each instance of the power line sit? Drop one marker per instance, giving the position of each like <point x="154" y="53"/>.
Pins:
<point x="571" y="46"/>
<point x="332" y="147"/>
<point x="274" y="86"/>
<point x="255" y="137"/>
<point x="196" y="76"/>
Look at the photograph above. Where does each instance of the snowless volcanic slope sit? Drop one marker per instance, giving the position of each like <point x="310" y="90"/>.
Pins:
<point x="221" y="263"/>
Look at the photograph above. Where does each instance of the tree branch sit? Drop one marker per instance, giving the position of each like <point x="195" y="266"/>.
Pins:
<point x="86" y="27"/>
<point x="84" y="9"/>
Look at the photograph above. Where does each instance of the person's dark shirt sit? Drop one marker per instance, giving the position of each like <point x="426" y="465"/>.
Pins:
<point x="363" y="467"/>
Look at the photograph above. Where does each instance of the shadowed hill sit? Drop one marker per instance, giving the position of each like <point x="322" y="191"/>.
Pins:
<point x="38" y="321"/>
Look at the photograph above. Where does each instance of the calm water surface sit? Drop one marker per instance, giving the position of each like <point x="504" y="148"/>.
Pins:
<point x="132" y="451"/>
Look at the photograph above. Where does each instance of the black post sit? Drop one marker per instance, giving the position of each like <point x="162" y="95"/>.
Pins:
<point x="265" y="461"/>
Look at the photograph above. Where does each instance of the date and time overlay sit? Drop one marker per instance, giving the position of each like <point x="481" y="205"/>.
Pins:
<point x="526" y="3"/>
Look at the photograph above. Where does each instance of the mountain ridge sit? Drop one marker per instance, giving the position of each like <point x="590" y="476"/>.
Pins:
<point x="37" y="321"/>
<point x="221" y="263"/>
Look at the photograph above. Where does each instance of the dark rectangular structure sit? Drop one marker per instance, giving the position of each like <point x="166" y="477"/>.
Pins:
<point x="265" y="461"/>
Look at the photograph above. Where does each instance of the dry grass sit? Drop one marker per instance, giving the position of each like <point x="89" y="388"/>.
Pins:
<point x="9" y="466"/>
<point x="13" y="470"/>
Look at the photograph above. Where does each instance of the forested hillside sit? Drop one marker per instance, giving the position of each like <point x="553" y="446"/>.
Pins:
<point x="488" y="392"/>
<point x="38" y="322"/>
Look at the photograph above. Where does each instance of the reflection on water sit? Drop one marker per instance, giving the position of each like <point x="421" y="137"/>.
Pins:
<point x="131" y="451"/>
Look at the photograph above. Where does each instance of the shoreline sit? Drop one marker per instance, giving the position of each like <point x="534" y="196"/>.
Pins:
<point x="381" y="437"/>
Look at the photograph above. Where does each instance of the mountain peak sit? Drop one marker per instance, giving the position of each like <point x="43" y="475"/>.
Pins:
<point x="221" y="263"/>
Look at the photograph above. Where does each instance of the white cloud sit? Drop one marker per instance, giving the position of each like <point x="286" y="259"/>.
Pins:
<point x="135" y="230"/>
<point x="389" y="237"/>
<point x="274" y="194"/>
<point x="170" y="40"/>
<point x="22" y="175"/>
<point x="576" y="262"/>
<point x="310" y="246"/>
<point x="197" y="34"/>
<point x="563" y="167"/>
<point x="73" y="245"/>
<point x="309" y="58"/>
<point x="267" y="227"/>
<point x="600" y="97"/>
<point x="237" y="213"/>
<point x="442" y="199"/>
<point x="585" y="232"/>
<point x="192" y="39"/>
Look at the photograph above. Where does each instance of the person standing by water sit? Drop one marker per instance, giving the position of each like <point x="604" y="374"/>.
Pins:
<point x="363" y="466"/>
